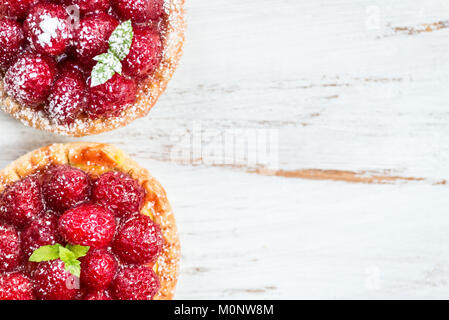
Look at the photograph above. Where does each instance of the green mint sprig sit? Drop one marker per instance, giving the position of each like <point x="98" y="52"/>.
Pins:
<point x="110" y="63"/>
<point x="68" y="254"/>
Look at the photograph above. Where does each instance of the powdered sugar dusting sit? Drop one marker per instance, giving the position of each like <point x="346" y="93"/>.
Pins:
<point x="15" y="286"/>
<point x="49" y="27"/>
<point x="9" y="248"/>
<point x="11" y="39"/>
<point x="22" y="78"/>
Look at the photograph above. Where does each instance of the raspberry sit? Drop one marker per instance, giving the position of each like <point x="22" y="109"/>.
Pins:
<point x="65" y="187"/>
<point x="91" y="38"/>
<point x="110" y="98"/>
<point x="47" y="28"/>
<point x="29" y="80"/>
<point x="15" y="286"/>
<point x="88" y="225"/>
<point x="41" y="232"/>
<point x="139" y="10"/>
<point x="12" y="39"/>
<point x="135" y="283"/>
<point x="10" y="253"/>
<point x="16" y="8"/>
<point x="22" y="201"/>
<point x="98" y="269"/>
<point x="145" y="54"/>
<point x="139" y="240"/>
<point x="68" y="97"/>
<point x="98" y="295"/>
<point x="119" y="193"/>
<point x="87" y="6"/>
<point x="52" y="282"/>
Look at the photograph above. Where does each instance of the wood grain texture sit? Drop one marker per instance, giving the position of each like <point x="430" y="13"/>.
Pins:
<point x="338" y="89"/>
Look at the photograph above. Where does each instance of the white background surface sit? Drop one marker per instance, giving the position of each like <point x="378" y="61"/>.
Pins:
<point x="348" y="90"/>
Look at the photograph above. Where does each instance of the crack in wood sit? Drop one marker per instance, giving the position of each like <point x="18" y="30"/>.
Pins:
<point x="340" y="175"/>
<point x="421" y="28"/>
<point x="366" y="177"/>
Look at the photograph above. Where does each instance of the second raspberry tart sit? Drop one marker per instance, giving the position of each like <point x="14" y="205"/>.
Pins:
<point x="84" y="221"/>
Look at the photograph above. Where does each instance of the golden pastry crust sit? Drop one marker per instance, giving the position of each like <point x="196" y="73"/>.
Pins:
<point x="149" y="91"/>
<point x="95" y="159"/>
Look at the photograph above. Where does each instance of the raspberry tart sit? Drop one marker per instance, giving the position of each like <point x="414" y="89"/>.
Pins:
<point x="82" y="221"/>
<point x="82" y="67"/>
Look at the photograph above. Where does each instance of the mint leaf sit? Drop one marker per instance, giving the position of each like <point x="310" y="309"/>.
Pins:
<point x="109" y="63"/>
<point x="45" y="253"/>
<point x="110" y="60"/>
<point x="101" y="73"/>
<point x="69" y="256"/>
<point x="66" y="255"/>
<point x="78" y="250"/>
<point x="121" y="40"/>
<point x="74" y="267"/>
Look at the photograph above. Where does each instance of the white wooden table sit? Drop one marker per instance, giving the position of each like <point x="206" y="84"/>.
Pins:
<point x="351" y="98"/>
